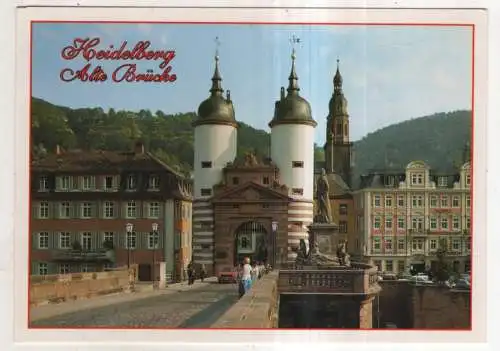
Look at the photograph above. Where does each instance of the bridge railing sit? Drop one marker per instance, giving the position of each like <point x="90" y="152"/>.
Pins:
<point x="359" y="278"/>
<point x="66" y="287"/>
<point x="256" y="309"/>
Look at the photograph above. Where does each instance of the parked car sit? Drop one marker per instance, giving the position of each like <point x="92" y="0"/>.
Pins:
<point x="421" y="278"/>
<point x="227" y="275"/>
<point x="389" y="276"/>
<point x="461" y="284"/>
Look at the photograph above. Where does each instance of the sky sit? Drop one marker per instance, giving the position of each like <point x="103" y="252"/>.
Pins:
<point x="390" y="73"/>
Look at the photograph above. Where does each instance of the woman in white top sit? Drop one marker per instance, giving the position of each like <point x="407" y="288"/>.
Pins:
<point x="246" y="275"/>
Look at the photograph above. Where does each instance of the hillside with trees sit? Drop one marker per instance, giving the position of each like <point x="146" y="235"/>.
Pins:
<point x="438" y="139"/>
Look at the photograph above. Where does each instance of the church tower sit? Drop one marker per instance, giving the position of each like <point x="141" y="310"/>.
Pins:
<point x="215" y="133"/>
<point x="338" y="147"/>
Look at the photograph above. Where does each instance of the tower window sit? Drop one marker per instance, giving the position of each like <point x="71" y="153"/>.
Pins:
<point x="339" y="128"/>
<point x="206" y="164"/>
<point x="236" y="180"/>
<point x="298" y="164"/>
<point x="206" y="192"/>
<point x="297" y="191"/>
<point x="265" y="180"/>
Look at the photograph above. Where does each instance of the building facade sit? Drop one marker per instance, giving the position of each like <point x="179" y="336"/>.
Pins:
<point x="255" y="208"/>
<point x="82" y="202"/>
<point x="404" y="218"/>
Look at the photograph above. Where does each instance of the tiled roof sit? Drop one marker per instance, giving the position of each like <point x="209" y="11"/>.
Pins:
<point x="75" y="161"/>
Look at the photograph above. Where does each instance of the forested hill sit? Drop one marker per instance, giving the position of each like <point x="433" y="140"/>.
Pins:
<point x="437" y="139"/>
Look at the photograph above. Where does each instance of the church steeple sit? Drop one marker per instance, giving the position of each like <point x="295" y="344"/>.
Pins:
<point x="337" y="80"/>
<point x="338" y="146"/>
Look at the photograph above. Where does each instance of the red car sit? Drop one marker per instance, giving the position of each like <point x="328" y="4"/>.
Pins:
<point x="227" y="275"/>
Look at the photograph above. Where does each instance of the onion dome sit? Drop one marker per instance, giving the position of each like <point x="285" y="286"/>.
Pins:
<point x="338" y="103"/>
<point x="217" y="109"/>
<point x="292" y="108"/>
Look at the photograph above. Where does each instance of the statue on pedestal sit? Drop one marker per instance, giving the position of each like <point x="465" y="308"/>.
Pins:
<point x="342" y="254"/>
<point x="315" y="258"/>
<point x="324" y="214"/>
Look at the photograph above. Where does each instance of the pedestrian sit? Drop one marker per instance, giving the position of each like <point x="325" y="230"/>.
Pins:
<point x="203" y="272"/>
<point x="190" y="274"/>
<point x="246" y="275"/>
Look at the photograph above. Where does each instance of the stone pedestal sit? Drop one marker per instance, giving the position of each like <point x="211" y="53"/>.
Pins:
<point x="327" y="236"/>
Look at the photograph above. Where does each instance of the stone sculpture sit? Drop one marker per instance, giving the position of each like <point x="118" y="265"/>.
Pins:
<point x="324" y="214"/>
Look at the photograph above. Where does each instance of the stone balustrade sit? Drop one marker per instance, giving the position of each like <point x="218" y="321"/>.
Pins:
<point x="359" y="279"/>
<point x="256" y="309"/>
<point x="67" y="287"/>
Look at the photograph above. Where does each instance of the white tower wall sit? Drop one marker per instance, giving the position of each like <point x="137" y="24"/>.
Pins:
<point x="294" y="142"/>
<point x="289" y="143"/>
<point x="216" y="144"/>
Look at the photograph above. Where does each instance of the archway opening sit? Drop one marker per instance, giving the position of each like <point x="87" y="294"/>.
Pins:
<point x="251" y="241"/>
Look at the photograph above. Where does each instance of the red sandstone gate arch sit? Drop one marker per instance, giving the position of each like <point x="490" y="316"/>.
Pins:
<point x="250" y="240"/>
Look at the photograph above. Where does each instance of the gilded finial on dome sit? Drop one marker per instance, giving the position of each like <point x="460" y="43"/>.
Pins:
<point x="217" y="44"/>
<point x="293" y="86"/>
<point x="217" y="79"/>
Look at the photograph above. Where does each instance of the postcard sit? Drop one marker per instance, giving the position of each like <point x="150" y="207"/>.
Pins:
<point x="250" y="172"/>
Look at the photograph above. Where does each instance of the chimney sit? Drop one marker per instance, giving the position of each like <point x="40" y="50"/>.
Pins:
<point x="139" y="148"/>
<point x="58" y="150"/>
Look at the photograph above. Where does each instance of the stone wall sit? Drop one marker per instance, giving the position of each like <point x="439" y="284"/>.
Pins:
<point x="256" y="309"/>
<point x="421" y="307"/>
<point x="68" y="287"/>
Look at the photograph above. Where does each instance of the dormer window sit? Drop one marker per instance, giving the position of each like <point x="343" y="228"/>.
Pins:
<point x="467" y="180"/>
<point x="417" y="179"/>
<point x="44" y="183"/>
<point x="154" y="182"/>
<point x="88" y="182"/>
<point x="265" y="180"/>
<point x="64" y="183"/>
<point x="131" y="182"/>
<point x="443" y="181"/>
<point x="389" y="181"/>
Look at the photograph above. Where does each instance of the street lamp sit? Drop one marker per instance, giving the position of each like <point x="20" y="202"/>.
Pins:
<point x="274" y="226"/>
<point x="155" y="245"/>
<point x="129" y="227"/>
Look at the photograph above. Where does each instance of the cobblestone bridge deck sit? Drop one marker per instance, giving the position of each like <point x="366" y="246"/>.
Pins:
<point x="178" y="306"/>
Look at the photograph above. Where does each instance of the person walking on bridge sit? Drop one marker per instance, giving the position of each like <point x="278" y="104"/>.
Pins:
<point x="246" y="275"/>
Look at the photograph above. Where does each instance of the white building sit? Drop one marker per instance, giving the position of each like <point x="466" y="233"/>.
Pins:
<point x="403" y="218"/>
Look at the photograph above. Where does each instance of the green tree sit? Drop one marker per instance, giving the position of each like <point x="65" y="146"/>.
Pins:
<point x="442" y="271"/>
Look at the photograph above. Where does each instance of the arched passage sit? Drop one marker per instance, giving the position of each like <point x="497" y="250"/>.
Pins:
<point x="251" y="240"/>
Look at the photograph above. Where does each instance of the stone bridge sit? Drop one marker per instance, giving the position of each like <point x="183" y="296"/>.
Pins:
<point x="271" y="303"/>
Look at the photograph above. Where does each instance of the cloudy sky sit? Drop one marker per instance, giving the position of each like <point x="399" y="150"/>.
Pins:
<point x="391" y="73"/>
